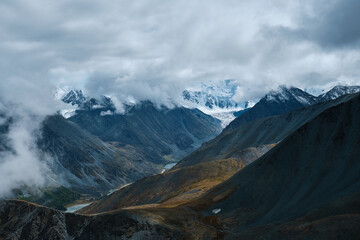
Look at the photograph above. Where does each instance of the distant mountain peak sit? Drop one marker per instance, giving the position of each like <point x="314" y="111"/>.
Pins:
<point x="214" y="95"/>
<point x="78" y="99"/>
<point x="217" y="100"/>
<point x="74" y="97"/>
<point x="338" y="91"/>
<point x="286" y="99"/>
<point x="285" y="94"/>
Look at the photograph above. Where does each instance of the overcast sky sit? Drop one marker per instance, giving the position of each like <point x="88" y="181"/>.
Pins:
<point x="152" y="49"/>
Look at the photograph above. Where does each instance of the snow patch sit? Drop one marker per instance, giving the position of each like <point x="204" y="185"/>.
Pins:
<point x="216" y="210"/>
<point x="106" y="113"/>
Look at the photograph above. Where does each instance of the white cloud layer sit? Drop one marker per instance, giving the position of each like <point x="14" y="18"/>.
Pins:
<point x="152" y="49"/>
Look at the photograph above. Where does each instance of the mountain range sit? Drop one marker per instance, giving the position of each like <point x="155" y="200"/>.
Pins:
<point x="92" y="154"/>
<point x="284" y="169"/>
<point x="214" y="162"/>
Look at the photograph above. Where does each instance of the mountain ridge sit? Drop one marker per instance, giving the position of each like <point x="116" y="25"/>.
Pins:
<point x="286" y="99"/>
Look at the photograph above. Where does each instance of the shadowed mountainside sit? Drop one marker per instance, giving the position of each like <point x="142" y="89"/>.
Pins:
<point x="160" y="134"/>
<point x="263" y="131"/>
<point x="176" y="186"/>
<point x="315" y="166"/>
<point x="83" y="162"/>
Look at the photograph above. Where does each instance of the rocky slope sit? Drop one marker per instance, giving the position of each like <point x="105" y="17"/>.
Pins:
<point x="162" y="135"/>
<point x="25" y="221"/>
<point x="84" y="163"/>
<point x="176" y="186"/>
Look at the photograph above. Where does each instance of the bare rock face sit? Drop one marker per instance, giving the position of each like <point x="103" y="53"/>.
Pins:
<point x="23" y="220"/>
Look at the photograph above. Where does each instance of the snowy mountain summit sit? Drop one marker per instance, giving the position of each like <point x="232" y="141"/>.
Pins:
<point x="212" y="96"/>
<point x="338" y="91"/>
<point x="290" y="94"/>
<point x="216" y="99"/>
<point x="76" y="97"/>
<point x="77" y="100"/>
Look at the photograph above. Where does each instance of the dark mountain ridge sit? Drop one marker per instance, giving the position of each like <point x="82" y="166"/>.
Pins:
<point x="286" y="99"/>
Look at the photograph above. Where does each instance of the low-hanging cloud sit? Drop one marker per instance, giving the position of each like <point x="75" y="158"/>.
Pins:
<point x="23" y="105"/>
<point x="21" y="166"/>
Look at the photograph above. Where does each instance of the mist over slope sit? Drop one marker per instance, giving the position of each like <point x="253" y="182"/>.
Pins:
<point x="82" y="162"/>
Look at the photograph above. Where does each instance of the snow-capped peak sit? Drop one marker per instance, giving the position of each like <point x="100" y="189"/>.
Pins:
<point x="74" y="97"/>
<point x="214" y="95"/>
<point x="338" y="91"/>
<point x="216" y="99"/>
<point x="284" y="94"/>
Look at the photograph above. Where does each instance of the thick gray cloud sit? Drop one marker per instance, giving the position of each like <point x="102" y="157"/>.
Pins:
<point x="336" y="26"/>
<point x="154" y="49"/>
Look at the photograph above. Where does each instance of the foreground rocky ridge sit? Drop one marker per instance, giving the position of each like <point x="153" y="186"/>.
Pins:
<point x="22" y="220"/>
